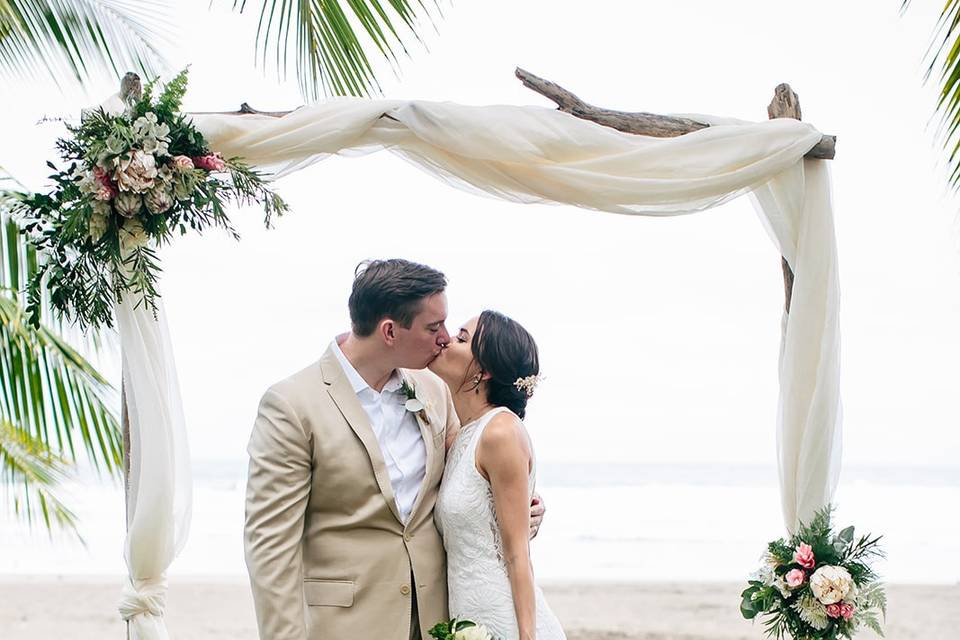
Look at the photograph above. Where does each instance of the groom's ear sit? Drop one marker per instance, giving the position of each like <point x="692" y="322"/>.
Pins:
<point x="388" y="331"/>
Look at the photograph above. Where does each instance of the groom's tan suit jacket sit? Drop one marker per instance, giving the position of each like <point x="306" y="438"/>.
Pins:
<point x="327" y="553"/>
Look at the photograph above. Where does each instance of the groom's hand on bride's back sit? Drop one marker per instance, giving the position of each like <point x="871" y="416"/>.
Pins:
<point x="536" y="514"/>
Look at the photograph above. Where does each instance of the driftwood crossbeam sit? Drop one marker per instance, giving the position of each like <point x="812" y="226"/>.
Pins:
<point x="785" y="104"/>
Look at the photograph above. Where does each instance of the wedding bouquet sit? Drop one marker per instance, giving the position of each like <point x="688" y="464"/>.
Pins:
<point x="131" y="181"/>
<point x="457" y="629"/>
<point x="817" y="585"/>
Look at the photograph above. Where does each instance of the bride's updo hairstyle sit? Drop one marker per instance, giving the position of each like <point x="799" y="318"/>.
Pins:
<point x="506" y="351"/>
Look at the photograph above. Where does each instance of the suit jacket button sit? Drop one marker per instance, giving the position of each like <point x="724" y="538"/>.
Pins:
<point x="407" y="536"/>
<point x="405" y="590"/>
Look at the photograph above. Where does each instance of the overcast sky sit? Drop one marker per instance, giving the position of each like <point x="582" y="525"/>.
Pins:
<point x="658" y="337"/>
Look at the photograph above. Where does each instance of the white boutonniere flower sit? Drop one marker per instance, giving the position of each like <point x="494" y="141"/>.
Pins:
<point x="413" y="403"/>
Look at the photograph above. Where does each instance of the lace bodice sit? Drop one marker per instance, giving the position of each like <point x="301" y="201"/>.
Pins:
<point x="477" y="579"/>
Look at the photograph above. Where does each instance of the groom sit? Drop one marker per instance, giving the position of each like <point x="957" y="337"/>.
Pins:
<point x="346" y="459"/>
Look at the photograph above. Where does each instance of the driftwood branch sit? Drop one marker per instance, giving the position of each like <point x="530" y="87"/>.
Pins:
<point x="640" y="123"/>
<point x="245" y="109"/>
<point x="785" y="104"/>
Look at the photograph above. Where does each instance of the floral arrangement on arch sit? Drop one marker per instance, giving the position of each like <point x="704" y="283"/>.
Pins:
<point x="132" y="182"/>
<point x="817" y="585"/>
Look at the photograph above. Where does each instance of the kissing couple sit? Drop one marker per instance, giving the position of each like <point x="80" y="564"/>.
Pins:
<point x="391" y="483"/>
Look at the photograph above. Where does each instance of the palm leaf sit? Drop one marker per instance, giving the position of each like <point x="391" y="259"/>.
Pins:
<point x="30" y="474"/>
<point x="81" y="40"/>
<point x="50" y="392"/>
<point x="943" y="59"/>
<point x="331" y="38"/>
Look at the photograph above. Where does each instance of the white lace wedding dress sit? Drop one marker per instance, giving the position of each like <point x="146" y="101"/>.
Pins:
<point x="477" y="579"/>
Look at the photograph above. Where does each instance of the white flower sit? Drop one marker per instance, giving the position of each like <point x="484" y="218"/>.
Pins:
<point x="87" y="182"/>
<point x="155" y="146"/>
<point x="146" y="120"/>
<point x="152" y="135"/>
<point x="135" y="171"/>
<point x="133" y="235"/>
<point x="811" y="612"/>
<point x="831" y="584"/>
<point x="781" y="585"/>
<point x="478" y="632"/>
<point x="413" y="405"/>
<point x="128" y="203"/>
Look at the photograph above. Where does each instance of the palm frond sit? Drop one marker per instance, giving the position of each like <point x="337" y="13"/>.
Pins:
<point x="31" y="474"/>
<point x="331" y="38"/>
<point x="53" y="402"/>
<point x="943" y="63"/>
<point x="49" y="391"/>
<point x="75" y="41"/>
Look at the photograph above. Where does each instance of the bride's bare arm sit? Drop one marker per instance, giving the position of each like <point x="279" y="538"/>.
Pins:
<point x="503" y="457"/>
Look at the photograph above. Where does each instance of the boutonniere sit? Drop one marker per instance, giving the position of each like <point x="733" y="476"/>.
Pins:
<point x="413" y="403"/>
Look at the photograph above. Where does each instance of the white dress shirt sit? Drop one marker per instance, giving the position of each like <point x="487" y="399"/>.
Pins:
<point x="397" y="431"/>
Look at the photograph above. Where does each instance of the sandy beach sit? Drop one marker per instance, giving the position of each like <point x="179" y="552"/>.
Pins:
<point x="48" y="607"/>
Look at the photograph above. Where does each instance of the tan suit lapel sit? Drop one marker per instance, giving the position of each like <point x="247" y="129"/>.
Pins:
<point x="426" y="432"/>
<point x="343" y="395"/>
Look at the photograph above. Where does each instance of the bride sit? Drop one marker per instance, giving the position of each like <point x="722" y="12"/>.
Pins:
<point x="483" y="508"/>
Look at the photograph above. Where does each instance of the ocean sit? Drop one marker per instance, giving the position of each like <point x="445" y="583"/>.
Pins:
<point x="605" y="522"/>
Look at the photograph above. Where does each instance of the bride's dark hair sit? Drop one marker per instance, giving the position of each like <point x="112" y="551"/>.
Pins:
<point x="506" y="351"/>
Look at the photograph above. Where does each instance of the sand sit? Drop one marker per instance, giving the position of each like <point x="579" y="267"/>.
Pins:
<point x="42" y="607"/>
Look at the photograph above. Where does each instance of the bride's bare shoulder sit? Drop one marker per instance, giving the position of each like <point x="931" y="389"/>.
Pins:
<point x="505" y="433"/>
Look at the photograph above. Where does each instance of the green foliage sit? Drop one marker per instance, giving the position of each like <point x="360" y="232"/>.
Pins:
<point x="33" y="473"/>
<point x="76" y="41"/>
<point x="128" y="184"/>
<point x="328" y="52"/>
<point x="943" y="58"/>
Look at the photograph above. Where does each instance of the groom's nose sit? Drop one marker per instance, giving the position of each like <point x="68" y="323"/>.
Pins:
<point x="443" y="338"/>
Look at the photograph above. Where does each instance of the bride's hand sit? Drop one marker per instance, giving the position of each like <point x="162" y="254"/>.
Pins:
<point x="536" y="514"/>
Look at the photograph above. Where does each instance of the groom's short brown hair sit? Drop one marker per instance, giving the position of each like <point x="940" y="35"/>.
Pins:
<point x="393" y="289"/>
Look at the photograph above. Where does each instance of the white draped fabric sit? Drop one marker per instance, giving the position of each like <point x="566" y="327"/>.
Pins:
<point x="533" y="154"/>
<point x="159" y="486"/>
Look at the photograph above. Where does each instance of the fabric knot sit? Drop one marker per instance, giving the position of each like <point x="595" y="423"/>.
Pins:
<point x="141" y="597"/>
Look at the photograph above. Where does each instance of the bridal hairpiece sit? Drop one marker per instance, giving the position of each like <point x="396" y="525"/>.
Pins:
<point x="528" y="384"/>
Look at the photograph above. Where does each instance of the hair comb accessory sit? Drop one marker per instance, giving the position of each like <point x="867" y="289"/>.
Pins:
<point x="528" y="384"/>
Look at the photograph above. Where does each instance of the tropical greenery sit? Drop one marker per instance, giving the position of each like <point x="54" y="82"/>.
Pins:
<point x="943" y="65"/>
<point x="329" y="52"/>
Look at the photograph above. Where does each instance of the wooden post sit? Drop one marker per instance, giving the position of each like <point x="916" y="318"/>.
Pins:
<point x="130" y="93"/>
<point x="785" y="104"/>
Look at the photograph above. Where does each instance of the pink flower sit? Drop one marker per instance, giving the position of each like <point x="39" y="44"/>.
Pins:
<point x="105" y="193"/>
<point x="803" y="556"/>
<point x="182" y="162"/>
<point x="834" y="610"/>
<point x="846" y="610"/>
<point x="108" y="188"/>
<point x="795" y="578"/>
<point x="211" y="162"/>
